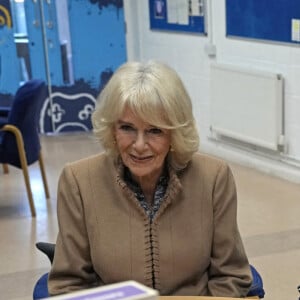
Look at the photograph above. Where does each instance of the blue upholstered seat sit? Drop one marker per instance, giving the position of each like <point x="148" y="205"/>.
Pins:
<point x="4" y="111"/>
<point x="257" y="284"/>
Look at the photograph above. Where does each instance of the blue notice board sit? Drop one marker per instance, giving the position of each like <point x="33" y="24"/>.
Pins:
<point x="178" y="15"/>
<point x="270" y="20"/>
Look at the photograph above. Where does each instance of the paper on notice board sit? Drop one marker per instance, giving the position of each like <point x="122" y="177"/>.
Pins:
<point x="159" y="9"/>
<point x="296" y="30"/>
<point x="178" y="11"/>
<point x="196" y="8"/>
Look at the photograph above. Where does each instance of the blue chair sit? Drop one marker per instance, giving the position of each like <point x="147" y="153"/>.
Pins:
<point x="257" y="285"/>
<point x="19" y="138"/>
<point x="40" y="290"/>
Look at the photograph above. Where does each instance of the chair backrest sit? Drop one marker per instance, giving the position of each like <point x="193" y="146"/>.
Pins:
<point x="24" y="114"/>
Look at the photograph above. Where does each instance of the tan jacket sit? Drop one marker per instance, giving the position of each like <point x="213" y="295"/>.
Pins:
<point x="192" y="247"/>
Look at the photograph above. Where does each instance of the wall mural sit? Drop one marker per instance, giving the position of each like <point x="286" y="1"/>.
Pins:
<point x="71" y="107"/>
<point x="79" y="59"/>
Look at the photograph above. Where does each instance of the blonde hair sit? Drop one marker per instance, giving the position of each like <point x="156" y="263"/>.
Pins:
<point x="156" y="94"/>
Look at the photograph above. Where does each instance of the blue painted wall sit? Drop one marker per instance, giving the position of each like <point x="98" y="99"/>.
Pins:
<point x="98" y="38"/>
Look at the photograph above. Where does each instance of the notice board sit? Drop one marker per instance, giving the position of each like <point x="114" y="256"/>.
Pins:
<point x="178" y="15"/>
<point x="269" y="20"/>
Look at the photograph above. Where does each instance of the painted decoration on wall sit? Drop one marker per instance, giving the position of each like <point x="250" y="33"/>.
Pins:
<point x="71" y="107"/>
<point x="74" y="46"/>
<point x="5" y="14"/>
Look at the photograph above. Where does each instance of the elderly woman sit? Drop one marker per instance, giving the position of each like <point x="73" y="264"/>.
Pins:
<point x="149" y="208"/>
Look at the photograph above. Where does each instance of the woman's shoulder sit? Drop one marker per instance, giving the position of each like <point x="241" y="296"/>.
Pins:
<point x="98" y="162"/>
<point x="202" y="162"/>
<point x="207" y="159"/>
<point x="86" y="160"/>
<point x="206" y="169"/>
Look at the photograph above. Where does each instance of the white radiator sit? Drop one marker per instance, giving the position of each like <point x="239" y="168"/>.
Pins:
<point x="247" y="105"/>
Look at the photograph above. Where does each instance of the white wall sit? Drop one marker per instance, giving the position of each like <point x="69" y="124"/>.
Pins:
<point x="186" y="54"/>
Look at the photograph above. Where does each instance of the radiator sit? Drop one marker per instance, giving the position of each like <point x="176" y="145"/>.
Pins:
<point x="247" y="106"/>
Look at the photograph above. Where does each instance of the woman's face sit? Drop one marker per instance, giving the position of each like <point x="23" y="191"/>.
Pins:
<point x="143" y="147"/>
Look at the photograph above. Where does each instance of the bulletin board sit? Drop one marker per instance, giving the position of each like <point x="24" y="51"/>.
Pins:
<point x="269" y="20"/>
<point x="178" y="15"/>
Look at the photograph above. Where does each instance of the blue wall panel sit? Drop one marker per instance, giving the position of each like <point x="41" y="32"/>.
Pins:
<point x="98" y="38"/>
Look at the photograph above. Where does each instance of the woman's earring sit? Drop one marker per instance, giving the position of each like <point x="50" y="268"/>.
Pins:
<point x="171" y="149"/>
